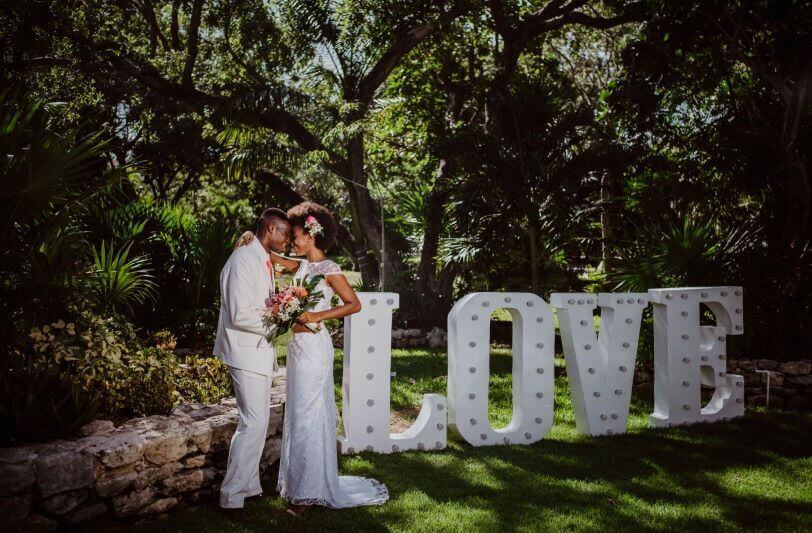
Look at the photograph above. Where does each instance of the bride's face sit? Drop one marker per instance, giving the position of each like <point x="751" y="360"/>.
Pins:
<point x="302" y="242"/>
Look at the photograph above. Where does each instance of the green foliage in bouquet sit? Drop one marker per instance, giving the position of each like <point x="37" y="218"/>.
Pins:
<point x="289" y="304"/>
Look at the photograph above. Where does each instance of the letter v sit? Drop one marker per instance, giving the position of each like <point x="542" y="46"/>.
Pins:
<point x="600" y="368"/>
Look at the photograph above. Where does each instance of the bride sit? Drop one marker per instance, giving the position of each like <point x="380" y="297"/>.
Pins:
<point x="308" y="466"/>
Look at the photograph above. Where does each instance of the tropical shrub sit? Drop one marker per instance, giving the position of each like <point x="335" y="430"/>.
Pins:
<point x="39" y="401"/>
<point x="203" y="380"/>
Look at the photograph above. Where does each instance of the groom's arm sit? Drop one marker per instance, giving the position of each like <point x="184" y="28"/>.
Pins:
<point x="242" y="288"/>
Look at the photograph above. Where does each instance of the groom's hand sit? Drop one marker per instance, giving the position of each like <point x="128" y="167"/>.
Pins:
<point x="244" y="239"/>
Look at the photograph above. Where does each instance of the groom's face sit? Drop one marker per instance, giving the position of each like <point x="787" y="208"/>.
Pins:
<point x="280" y="237"/>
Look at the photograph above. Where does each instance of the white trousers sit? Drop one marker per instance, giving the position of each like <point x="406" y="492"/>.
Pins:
<point x="242" y="474"/>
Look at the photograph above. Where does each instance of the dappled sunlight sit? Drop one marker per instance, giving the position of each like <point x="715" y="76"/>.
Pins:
<point x="748" y="473"/>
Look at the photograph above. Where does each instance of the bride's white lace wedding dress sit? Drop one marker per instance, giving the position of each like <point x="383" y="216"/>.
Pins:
<point x="308" y="467"/>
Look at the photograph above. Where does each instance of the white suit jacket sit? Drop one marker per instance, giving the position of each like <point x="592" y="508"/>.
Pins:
<point x="245" y="282"/>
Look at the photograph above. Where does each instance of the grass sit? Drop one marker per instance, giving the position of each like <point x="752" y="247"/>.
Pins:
<point x="753" y="473"/>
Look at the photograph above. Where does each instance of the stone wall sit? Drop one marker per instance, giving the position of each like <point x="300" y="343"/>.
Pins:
<point x="407" y="338"/>
<point x="790" y="382"/>
<point x="144" y="467"/>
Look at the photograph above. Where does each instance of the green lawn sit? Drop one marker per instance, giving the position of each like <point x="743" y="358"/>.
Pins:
<point x="754" y="473"/>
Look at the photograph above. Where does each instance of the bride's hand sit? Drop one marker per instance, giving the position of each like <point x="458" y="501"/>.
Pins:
<point x="244" y="239"/>
<point x="309" y="317"/>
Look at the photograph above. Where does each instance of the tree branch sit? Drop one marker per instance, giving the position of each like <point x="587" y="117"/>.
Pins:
<point x="275" y="119"/>
<point x="191" y="43"/>
<point x="155" y="33"/>
<point x="552" y="16"/>
<point x="174" y="28"/>
<point x="404" y="42"/>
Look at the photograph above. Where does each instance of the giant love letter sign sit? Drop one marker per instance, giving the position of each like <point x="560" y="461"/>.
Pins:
<point x="600" y="367"/>
<point x="684" y="352"/>
<point x="468" y="370"/>
<point x="366" y="387"/>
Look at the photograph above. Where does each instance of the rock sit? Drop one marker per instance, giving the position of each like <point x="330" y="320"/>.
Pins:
<point x="796" y="368"/>
<point x="776" y="379"/>
<point x="753" y="390"/>
<point x="194" y="462"/>
<point x="275" y="421"/>
<point x="222" y="428"/>
<point x="115" y="485"/>
<point x="414" y="342"/>
<point x="133" y="502"/>
<point x="642" y="376"/>
<point x="798" y="403"/>
<point x="16" y="478"/>
<point x="755" y="399"/>
<point x="767" y="364"/>
<point x="62" y="469"/>
<point x="780" y="391"/>
<point x="776" y="402"/>
<point x="644" y="388"/>
<point x="17" y="455"/>
<point x="189" y="481"/>
<point x="86" y="514"/>
<point x="165" y="448"/>
<point x="97" y="426"/>
<point x="414" y="333"/>
<point x="436" y="337"/>
<point x="745" y="365"/>
<point x="197" y="411"/>
<point x="157" y="423"/>
<point x="271" y="452"/>
<point x="13" y="511"/>
<point x="36" y="523"/>
<point x="800" y="380"/>
<point x="150" y="475"/>
<point x="200" y="435"/>
<point x="160" y="506"/>
<point x="397" y="334"/>
<point x="64" y="502"/>
<point x="123" y="447"/>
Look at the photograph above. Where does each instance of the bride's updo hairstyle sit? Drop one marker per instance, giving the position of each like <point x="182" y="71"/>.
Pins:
<point x="298" y="215"/>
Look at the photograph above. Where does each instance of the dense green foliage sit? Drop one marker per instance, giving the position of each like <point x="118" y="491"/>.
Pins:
<point x="703" y="477"/>
<point x="464" y="145"/>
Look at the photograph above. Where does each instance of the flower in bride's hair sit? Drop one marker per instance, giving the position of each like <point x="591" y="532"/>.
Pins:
<point x="312" y="226"/>
<point x="279" y="268"/>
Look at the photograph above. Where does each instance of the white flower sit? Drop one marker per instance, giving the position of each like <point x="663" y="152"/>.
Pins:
<point x="313" y="227"/>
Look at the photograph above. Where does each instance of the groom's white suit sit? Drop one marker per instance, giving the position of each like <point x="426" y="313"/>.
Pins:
<point x="245" y="282"/>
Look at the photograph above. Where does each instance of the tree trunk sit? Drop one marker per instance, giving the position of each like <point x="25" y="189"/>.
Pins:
<point x="366" y="218"/>
<point x="607" y="226"/>
<point x="800" y="201"/>
<point x="434" y="299"/>
<point x="535" y="256"/>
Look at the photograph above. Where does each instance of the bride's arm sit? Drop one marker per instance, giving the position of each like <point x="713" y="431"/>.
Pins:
<point x="350" y="306"/>
<point x="290" y="265"/>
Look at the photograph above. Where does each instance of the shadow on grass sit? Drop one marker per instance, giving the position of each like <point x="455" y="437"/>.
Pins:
<point x="751" y="473"/>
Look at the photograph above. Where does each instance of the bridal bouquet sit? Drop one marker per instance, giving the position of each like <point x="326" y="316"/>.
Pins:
<point x="283" y="309"/>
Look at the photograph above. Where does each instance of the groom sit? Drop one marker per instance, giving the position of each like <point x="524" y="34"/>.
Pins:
<point x="245" y="282"/>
